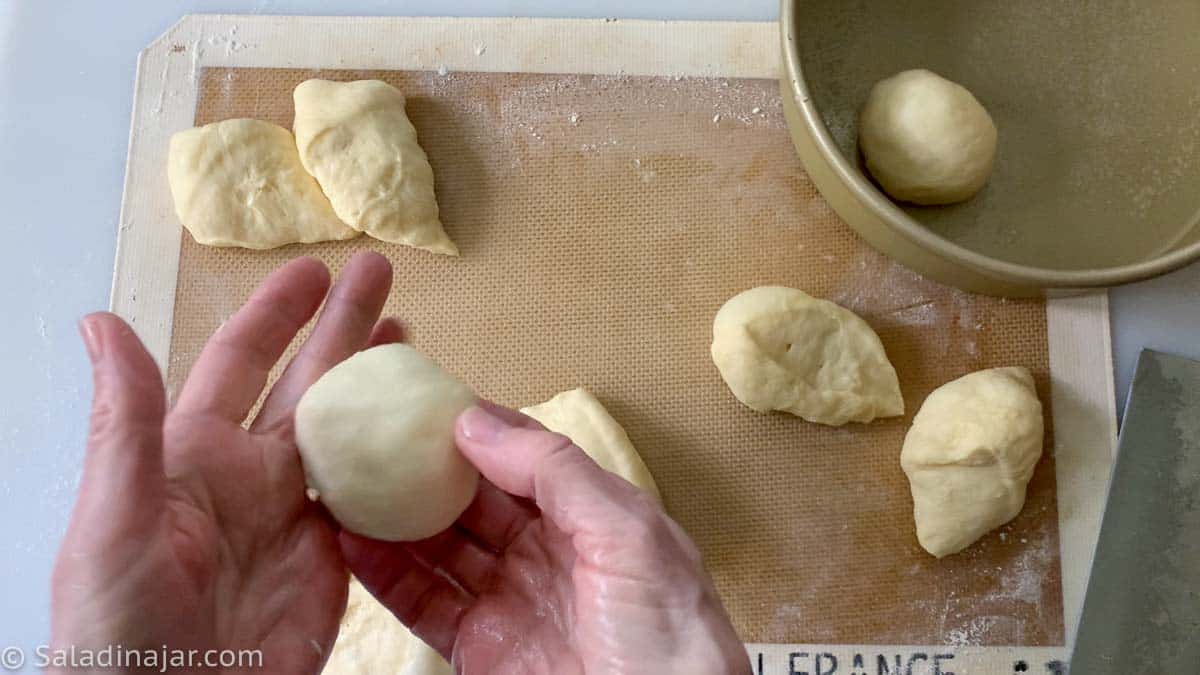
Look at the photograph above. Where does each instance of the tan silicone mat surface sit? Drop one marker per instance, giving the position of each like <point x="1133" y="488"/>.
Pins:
<point x="602" y="222"/>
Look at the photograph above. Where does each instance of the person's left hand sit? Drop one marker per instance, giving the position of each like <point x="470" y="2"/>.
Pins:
<point x="190" y="530"/>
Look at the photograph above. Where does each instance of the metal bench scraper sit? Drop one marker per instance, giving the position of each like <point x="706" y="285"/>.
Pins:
<point x="1142" y="609"/>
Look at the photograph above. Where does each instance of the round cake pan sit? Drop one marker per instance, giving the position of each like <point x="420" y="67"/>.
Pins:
<point x="1097" y="176"/>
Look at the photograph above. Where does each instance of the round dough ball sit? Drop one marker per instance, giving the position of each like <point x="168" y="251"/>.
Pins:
<point x="969" y="455"/>
<point x="780" y="349"/>
<point x="376" y="435"/>
<point x="926" y="139"/>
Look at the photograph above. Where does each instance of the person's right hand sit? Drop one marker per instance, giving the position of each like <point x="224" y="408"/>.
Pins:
<point x="557" y="567"/>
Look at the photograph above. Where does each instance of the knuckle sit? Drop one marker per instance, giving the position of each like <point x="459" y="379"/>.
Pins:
<point x="258" y="355"/>
<point x="686" y="546"/>
<point x="557" y="443"/>
<point x="103" y="418"/>
<point x="639" y="509"/>
<point x="643" y="526"/>
<point x="647" y="528"/>
<point x="556" y="453"/>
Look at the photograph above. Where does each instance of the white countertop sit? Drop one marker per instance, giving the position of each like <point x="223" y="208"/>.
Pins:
<point x="66" y="83"/>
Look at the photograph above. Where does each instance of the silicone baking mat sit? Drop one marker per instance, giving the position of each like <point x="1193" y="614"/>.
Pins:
<point x="603" y="220"/>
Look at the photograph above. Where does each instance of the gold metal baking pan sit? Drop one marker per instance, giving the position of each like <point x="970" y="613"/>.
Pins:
<point x="1097" y="178"/>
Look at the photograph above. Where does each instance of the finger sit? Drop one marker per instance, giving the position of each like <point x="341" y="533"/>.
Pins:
<point x="613" y="524"/>
<point x="495" y="517"/>
<point x="456" y="554"/>
<point x="343" y="329"/>
<point x="517" y="458"/>
<point x="429" y="604"/>
<point x="232" y="369"/>
<point x="124" y="456"/>
<point x="388" y="330"/>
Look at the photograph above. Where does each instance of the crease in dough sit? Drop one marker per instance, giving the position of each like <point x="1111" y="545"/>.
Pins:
<point x="240" y="182"/>
<point x="781" y="349"/>
<point x="357" y="141"/>
<point x="970" y="454"/>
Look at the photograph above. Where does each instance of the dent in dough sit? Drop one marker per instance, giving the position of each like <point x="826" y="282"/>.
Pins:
<point x="781" y="349"/>
<point x="970" y="454"/>
<point x="372" y="641"/>
<point x="577" y="415"/>
<point x="356" y="139"/>
<point x="240" y="183"/>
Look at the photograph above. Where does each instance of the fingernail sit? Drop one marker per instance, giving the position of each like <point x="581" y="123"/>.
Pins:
<point x="89" y="330"/>
<point x="481" y="426"/>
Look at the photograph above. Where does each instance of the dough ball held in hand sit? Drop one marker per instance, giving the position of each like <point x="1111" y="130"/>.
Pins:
<point x="970" y="454"/>
<point x="781" y="349"/>
<point x="240" y="183"/>
<point x="577" y="415"/>
<point x="376" y="436"/>
<point x="925" y="139"/>
<point x="355" y="138"/>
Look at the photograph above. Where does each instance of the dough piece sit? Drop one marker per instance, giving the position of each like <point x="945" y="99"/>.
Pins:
<point x="372" y="641"/>
<point x="355" y="138"/>
<point x="780" y="349"/>
<point x="926" y="139"/>
<point x="376" y="435"/>
<point x="969" y="455"/>
<point x="240" y="183"/>
<point x="577" y="415"/>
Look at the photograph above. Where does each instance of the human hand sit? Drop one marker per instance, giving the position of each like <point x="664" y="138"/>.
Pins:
<point x="190" y="530"/>
<point x="557" y="567"/>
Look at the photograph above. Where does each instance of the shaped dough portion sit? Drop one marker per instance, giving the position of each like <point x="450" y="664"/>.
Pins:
<point x="969" y="455"/>
<point x="355" y="138"/>
<point x="240" y="183"/>
<point x="376" y="437"/>
<point x="372" y="641"/>
<point x="781" y="349"/>
<point x="577" y="415"/>
<point x="926" y="139"/>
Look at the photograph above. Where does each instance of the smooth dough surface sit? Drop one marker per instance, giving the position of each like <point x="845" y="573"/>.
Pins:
<point x="781" y="349"/>
<point x="240" y="183"/>
<point x="926" y="139"/>
<point x="577" y="415"/>
<point x="970" y="454"/>
<point x="355" y="138"/>
<point x="372" y="641"/>
<point x="376" y="436"/>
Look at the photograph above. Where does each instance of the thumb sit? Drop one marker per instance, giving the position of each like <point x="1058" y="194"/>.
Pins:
<point x="611" y="522"/>
<point x="123" y="466"/>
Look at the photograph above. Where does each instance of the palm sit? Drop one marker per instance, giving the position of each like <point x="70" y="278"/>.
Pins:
<point x="551" y="612"/>
<point x="520" y="623"/>
<point x="212" y="543"/>
<point x="279" y="583"/>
